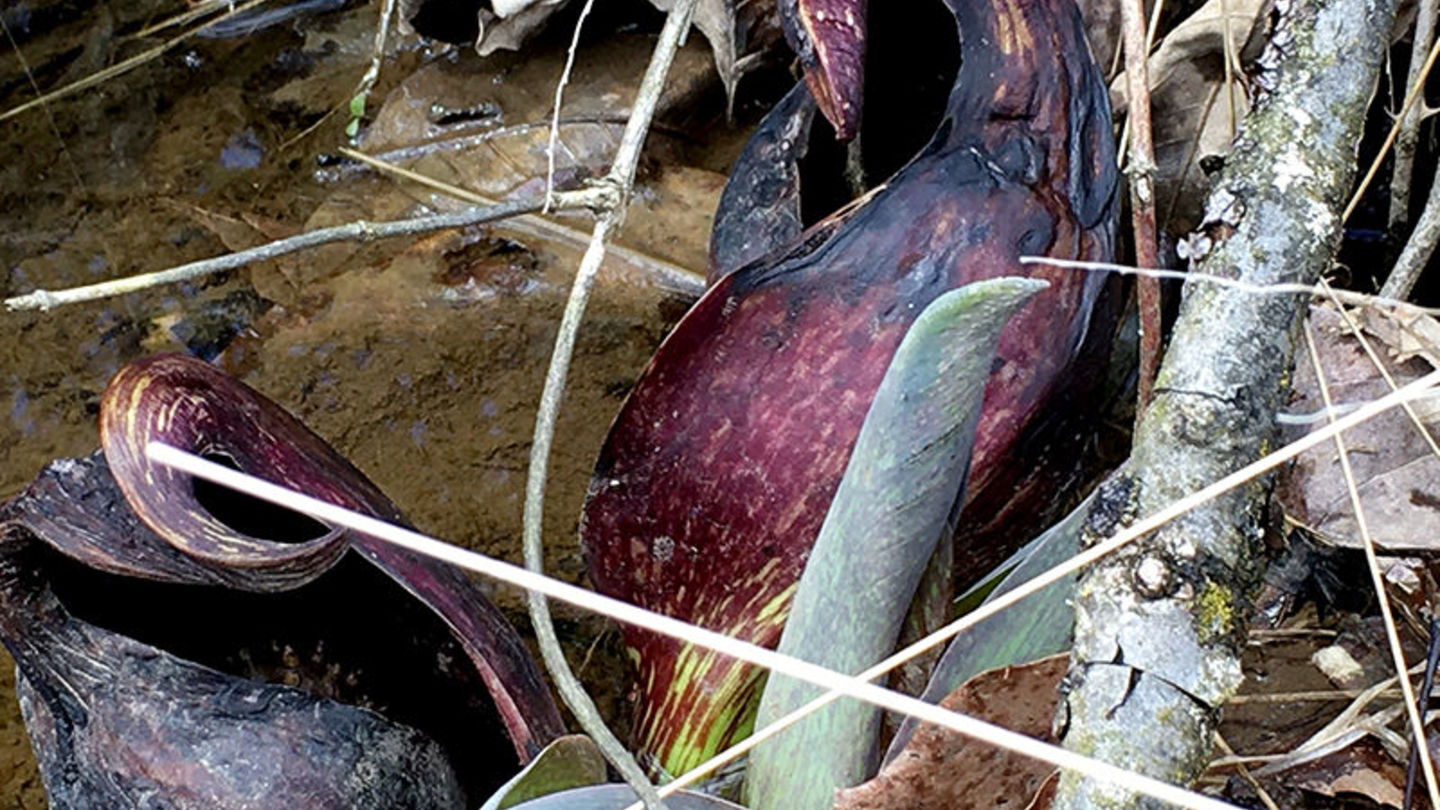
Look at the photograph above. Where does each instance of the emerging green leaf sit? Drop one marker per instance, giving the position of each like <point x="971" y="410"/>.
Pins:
<point x="903" y="481"/>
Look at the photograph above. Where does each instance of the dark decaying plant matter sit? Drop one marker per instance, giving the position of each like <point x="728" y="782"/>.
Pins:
<point x="180" y="643"/>
<point x="717" y="473"/>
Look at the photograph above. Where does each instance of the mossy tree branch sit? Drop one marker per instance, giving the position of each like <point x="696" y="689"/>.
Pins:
<point x="1159" y="627"/>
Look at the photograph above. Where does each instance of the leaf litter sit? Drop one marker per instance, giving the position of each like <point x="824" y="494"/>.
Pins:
<point x="942" y="770"/>
<point x="1194" y="115"/>
<point x="1397" y="474"/>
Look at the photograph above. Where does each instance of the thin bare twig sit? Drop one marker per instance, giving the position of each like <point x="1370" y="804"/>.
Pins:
<point x="671" y="276"/>
<point x="359" y="231"/>
<point x="1151" y="31"/>
<point x="1427" y="685"/>
<point x="49" y="116"/>
<point x="1142" y="192"/>
<point x="1410" y="99"/>
<point x="377" y="55"/>
<point x="1246" y="774"/>
<point x="1318" y="696"/>
<point x="1227" y="52"/>
<point x="362" y="87"/>
<point x="619" y="182"/>
<point x="1418" y="249"/>
<point x="1412" y="709"/>
<point x="1346" y="296"/>
<point x="668" y="275"/>
<point x="201" y="9"/>
<point x="1401" y="178"/>
<point x="559" y="100"/>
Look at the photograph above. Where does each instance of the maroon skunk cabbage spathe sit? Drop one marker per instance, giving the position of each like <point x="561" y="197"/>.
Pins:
<point x="183" y="646"/>
<point x="717" y="473"/>
<point x="829" y="37"/>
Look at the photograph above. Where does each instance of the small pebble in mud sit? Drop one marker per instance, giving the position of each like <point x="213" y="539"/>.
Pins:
<point x="243" y="151"/>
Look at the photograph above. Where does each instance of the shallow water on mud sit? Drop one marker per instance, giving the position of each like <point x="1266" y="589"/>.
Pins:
<point x="421" y="360"/>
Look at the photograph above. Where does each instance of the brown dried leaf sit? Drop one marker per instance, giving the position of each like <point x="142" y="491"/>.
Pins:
<point x="1406" y="335"/>
<point x="716" y="20"/>
<point x="735" y="31"/>
<point x="1398" y="477"/>
<point x="1189" y="105"/>
<point x="1364" y="769"/>
<point x="731" y="32"/>
<point x="942" y="770"/>
<point x="510" y="22"/>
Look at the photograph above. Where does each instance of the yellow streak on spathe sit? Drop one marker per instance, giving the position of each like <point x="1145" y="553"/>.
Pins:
<point x="136" y="394"/>
<point x="707" y="726"/>
<point x="685" y="663"/>
<point x="1011" y="31"/>
<point x="775" y="610"/>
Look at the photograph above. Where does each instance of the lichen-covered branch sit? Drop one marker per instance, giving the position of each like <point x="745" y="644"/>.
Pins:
<point x="1158" y="628"/>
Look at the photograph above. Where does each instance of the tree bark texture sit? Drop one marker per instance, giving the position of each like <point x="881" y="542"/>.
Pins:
<point x="1159" y="627"/>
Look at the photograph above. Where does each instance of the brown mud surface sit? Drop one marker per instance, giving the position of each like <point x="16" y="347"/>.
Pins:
<point x="421" y="360"/>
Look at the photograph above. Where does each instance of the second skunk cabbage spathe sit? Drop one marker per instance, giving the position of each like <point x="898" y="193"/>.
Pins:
<point x="183" y="646"/>
<point x="715" y="478"/>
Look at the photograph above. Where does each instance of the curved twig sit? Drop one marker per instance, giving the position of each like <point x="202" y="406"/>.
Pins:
<point x="1418" y="249"/>
<point x="618" y="182"/>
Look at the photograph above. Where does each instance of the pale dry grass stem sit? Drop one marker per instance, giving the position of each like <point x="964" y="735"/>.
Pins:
<point x="123" y="66"/>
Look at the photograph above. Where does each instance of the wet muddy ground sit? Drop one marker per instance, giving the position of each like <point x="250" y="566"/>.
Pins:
<point x="421" y="360"/>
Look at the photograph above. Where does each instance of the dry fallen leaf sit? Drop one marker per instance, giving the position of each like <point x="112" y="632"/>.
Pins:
<point x="736" y="31"/>
<point x="1191" y="105"/>
<point x="1405" y="334"/>
<point x="942" y="770"/>
<point x="511" y="22"/>
<point x="1364" y="769"/>
<point x="1397" y="475"/>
